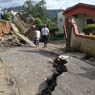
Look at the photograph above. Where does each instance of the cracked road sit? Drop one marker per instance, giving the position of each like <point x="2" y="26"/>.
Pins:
<point x="29" y="67"/>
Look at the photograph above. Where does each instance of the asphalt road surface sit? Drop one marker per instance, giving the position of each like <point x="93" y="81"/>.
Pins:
<point x="27" y="68"/>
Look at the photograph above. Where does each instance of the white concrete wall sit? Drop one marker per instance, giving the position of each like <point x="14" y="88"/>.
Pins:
<point x="61" y="20"/>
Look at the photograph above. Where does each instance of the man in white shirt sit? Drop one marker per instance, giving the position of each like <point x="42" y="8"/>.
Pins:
<point x="45" y="34"/>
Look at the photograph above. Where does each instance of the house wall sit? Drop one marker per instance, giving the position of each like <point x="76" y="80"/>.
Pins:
<point x="84" y="43"/>
<point x="81" y="21"/>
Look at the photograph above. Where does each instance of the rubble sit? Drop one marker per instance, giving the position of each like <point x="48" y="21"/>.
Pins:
<point x="16" y="31"/>
<point x="7" y="37"/>
<point x="4" y="28"/>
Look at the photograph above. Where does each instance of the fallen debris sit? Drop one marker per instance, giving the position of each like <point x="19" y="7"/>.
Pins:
<point x="10" y="41"/>
<point x="22" y="36"/>
<point x="7" y="37"/>
<point x="5" y="27"/>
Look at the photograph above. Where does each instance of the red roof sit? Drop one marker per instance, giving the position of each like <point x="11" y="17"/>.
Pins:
<point x="81" y="8"/>
<point x="80" y="5"/>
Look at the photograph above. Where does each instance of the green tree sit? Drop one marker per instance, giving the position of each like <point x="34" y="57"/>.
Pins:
<point x="8" y="15"/>
<point x="28" y="6"/>
<point x="38" y="23"/>
<point x="41" y="9"/>
<point x="35" y="9"/>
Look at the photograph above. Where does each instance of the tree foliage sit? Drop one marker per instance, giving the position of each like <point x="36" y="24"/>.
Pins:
<point x="35" y="9"/>
<point x="28" y="6"/>
<point x="7" y="15"/>
<point x="41" y="9"/>
<point x="38" y="11"/>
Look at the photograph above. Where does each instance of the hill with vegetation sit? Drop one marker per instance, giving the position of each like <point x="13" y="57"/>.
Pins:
<point x="51" y="14"/>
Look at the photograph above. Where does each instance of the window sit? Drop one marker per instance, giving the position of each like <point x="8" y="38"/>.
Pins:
<point x="90" y="21"/>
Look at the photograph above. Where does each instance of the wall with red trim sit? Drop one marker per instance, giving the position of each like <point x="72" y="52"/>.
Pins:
<point x="81" y="10"/>
<point x="84" y="43"/>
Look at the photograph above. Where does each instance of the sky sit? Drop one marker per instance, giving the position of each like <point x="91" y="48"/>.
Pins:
<point x="50" y="4"/>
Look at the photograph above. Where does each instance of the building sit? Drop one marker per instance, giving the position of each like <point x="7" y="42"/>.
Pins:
<point x="82" y="14"/>
<point x="61" y="20"/>
<point x="76" y="17"/>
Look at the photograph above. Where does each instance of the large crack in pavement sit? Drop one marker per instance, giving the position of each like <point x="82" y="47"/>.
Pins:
<point x="48" y="86"/>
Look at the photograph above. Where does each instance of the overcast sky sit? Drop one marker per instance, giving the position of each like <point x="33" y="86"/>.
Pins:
<point x="51" y="4"/>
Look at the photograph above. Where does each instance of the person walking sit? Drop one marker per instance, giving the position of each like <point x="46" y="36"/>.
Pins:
<point x="36" y="36"/>
<point x="45" y="34"/>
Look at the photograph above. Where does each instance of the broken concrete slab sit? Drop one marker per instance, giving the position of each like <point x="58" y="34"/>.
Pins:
<point x="22" y="36"/>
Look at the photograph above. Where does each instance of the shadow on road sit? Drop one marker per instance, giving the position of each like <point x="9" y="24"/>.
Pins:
<point x="42" y="52"/>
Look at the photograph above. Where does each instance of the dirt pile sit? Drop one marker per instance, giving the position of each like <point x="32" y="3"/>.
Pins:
<point x="7" y="37"/>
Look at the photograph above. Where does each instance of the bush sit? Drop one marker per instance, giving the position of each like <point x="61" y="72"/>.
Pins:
<point x="53" y="30"/>
<point x="52" y="27"/>
<point x="57" y="36"/>
<point x="38" y="23"/>
<point x="7" y="16"/>
<point x="89" y="28"/>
